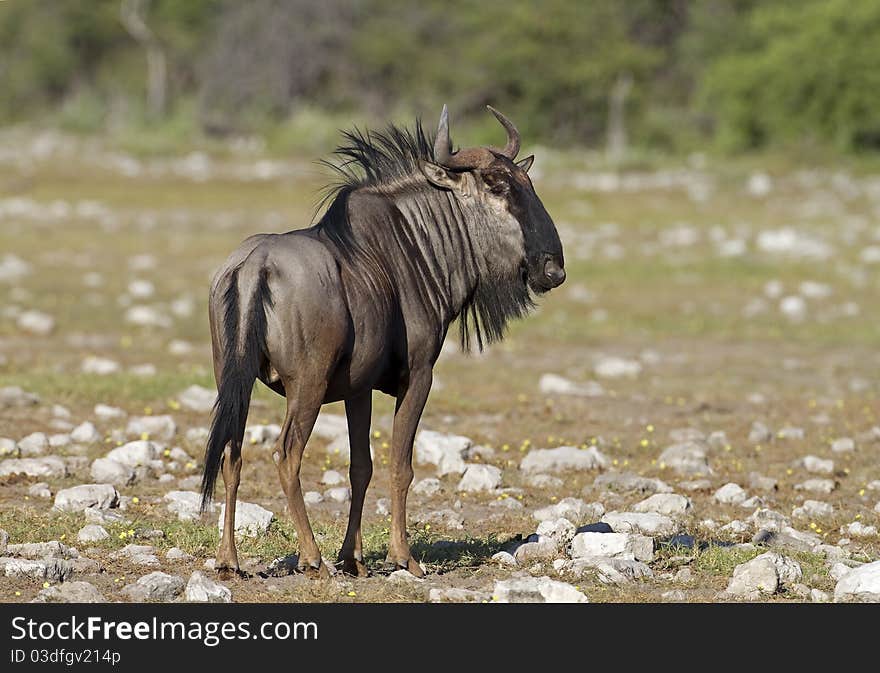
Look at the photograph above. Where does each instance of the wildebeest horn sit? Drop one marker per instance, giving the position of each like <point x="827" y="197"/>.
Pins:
<point x="474" y="157"/>
<point x="512" y="148"/>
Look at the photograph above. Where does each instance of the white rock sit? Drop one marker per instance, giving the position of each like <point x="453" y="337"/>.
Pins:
<point x="34" y="444"/>
<point x="250" y="518"/>
<point x="560" y="531"/>
<point x="177" y="554"/>
<point x="455" y="595"/>
<point x="759" y="433"/>
<point x="610" y="570"/>
<point x="818" y="465"/>
<point x="332" y="478"/>
<point x="552" y="384"/>
<point x="646" y="523"/>
<point x="36" y="322"/>
<point x="141" y="452"/>
<point x="793" y="307"/>
<point x="200" y="589"/>
<point x="670" y="504"/>
<point x="538" y="551"/>
<point x="480" y="478"/>
<point x="544" y="481"/>
<point x="138" y="554"/>
<point x="8" y="447"/>
<point x="575" y="510"/>
<point x="141" y="289"/>
<point x="147" y="316"/>
<point x="330" y="426"/>
<point x="51" y="569"/>
<point x="42" y="550"/>
<point x="819" y="596"/>
<point x="144" y="370"/>
<point x="86" y="433"/>
<point x="78" y="498"/>
<point x="563" y="459"/>
<point x="13" y="396"/>
<point x="615" y="367"/>
<point x="107" y="413"/>
<point x="48" y="466"/>
<point x="92" y="533"/>
<point x="859" y="584"/>
<point x="614" y="545"/>
<point x="107" y="471"/>
<point x="790" y="432"/>
<point x="843" y="445"/>
<point x="312" y="497"/>
<point x="260" y="434"/>
<point x="70" y="592"/>
<point x="59" y="441"/>
<point x="186" y="504"/>
<point x="40" y="490"/>
<point x="448" y="452"/>
<point x="759" y="184"/>
<point x="13" y="268"/>
<point x="338" y="494"/>
<point x="858" y="529"/>
<point x="157" y="586"/>
<point x="754" y="579"/>
<point x="627" y="482"/>
<point x="825" y="486"/>
<point x="813" y="509"/>
<point x="536" y="590"/>
<point x="730" y="494"/>
<point x="198" y="398"/>
<point x="160" y="428"/>
<point x="504" y="558"/>
<point x="101" y="366"/>
<point x="427" y="487"/>
<point x="687" y="458"/>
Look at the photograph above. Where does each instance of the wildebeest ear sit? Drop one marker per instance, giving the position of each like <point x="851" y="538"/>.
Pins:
<point x="440" y="177"/>
<point x="526" y="163"/>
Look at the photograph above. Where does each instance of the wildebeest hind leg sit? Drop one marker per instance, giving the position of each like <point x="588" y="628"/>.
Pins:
<point x="302" y="411"/>
<point x="358" y="410"/>
<point x="227" y="557"/>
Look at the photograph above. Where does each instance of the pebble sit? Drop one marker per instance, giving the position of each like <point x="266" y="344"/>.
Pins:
<point x="670" y="504"/>
<point x="36" y="322"/>
<point x="70" y="592"/>
<point x="575" y="510"/>
<point x="200" y="589"/>
<point x="824" y="486"/>
<point x="818" y="465"/>
<point x="615" y="545"/>
<point x="13" y="396"/>
<point x="92" y="533"/>
<point x="813" y="509"/>
<point x="860" y="584"/>
<point x="48" y="466"/>
<point x="107" y="471"/>
<point x="108" y="413"/>
<point x="544" y="481"/>
<point x="177" y="554"/>
<point x="78" y="498"/>
<point x="85" y="433"/>
<point x="759" y="433"/>
<point x="40" y="490"/>
<point x="157" y="586"/>
<point x="843" y="445"/>
<point x="455" y="595"/>
<point x="730" y="494"/>
<point x="536" y="590"/>
<point x="137" y="453"/>
<point x="610" y="570"/>
<point x="35" y="444"/>
<point x="312" y="497"/>
<point x="687" y="458"/>
<point x="250" y="518"/>
<point x="616" y="367"/>
<point x="198" y="398"/>
<point x="332" y="478"/>
<point x="338" y="494"/>
<point x="138" y="554"/>
<point x="858" y="529"/>
<point x="100" y="366"/>
<point x="185" y="504"/>
<point x="480" y="478"/>
<point x="630" y="482"/>
<point x="646" y="523"/>
<point x="564" y="459"/>
<point x="552" y="384"/>
<point x="759" y="482"/>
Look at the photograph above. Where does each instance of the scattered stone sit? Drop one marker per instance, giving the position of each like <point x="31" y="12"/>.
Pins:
<point x="843" y="445"/>
<point x="138" y="453"/>
<point x="790" y="433"/>
<point x="819" y="596"/>
<point x="86" y="433"/>
<point x="59" y="441"/>
<point x="788" y="538"/>
<point x="312" y="497"/>
<point x="138" y="554"/>
<point x="107" y="471"/>
<point x="817" y="465"/>
<point x="670" y="504"/>
<point x="383" y="507"/>
<point x="560" y="531"/>
<point x="814" y="509"/>
<point x="13" y="396"/>
<point x="40" y="490"/>
<point x="447" y="452"/>
<point x="454" y="595"/>
<point x="647" y="523"/>
<point x="198" y="398"/>
<point x="162" y="428"/>
<point x="100" y="366"/>
<point x="860" y="584"/>
<point x="13" y="268"/>
<point x="157" y="586"/>
<point x="692" y="485"/>
<point x="36" y="322"/>
<point x="615" y="545"/>
<point x="48" y="466"/>
<point x="4" y="540"/>
<point x="250" y="518"/>
<point x="35" y="444"/>
<point x="754" y="579"/>
<point x="8" y="447"/>
<point x="92" y="533"/>
<point x="687" y="458"/>
<point x="186" y="505"/>
<point x="759" y="433"/>
<point x="177" y="554"/>
<point x="564" y="459"/>
<point x="405" y="576"/>
<point x="106" y="516"/>
<point x="70" y="592"/>
<point x="717" y="440"/>
<point x="615" y="368"/>
<point x="200" y="589"/>
<point x="41" y="550"/>
<point x="536" y="590"/>
<point x="858" y="529"/>
<point x="674" y="596"/>
<point x="50" y="569"/>
<point x="427" y="487"/>
<point x="332" y="478"/>
<point x="575" y="510"/>
<point x="730" y="494"/>
<point x="825" y="486"/>
<point x="446" y="518"/>
<point x="504" y="558"/>
<point x="544" y="481"/>
<point x="611" y="570"/>
<point x="544" y="549"/>
<point x="78" y="498"/>
<point x="552" y="384"/>
<point x="480" y="478"/>
<point x="147" y="316"/>
<point x="338" y="494"/>
<point x="759" y="482"/>
<point x="108" y="413"/>
<point x="629" y="482"/>
<point x="769" y="519"/>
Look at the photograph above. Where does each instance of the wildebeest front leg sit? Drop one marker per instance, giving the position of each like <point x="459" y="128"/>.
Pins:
<point x="358" y="410"/>
<point x="227" y="557"/>
<point x="410" y="404"/>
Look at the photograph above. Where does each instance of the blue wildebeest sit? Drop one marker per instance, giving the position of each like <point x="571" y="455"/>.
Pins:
<point x="415" y="236"/>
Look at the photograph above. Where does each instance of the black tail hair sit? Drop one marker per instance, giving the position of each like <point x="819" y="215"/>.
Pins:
<point x="237" y="376"/>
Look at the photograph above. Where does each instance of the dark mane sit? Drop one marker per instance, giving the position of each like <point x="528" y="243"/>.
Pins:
<point x="369" y="158"/>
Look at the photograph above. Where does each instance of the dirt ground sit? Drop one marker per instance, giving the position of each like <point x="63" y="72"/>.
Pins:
<point x="699" y="296"/>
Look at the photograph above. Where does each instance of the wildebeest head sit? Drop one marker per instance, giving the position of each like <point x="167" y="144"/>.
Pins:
<point x="492" y="179"/>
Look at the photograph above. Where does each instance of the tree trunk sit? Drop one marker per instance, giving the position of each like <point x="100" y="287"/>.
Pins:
<point x="617" y="141"/>
<point x="132" y="13"/>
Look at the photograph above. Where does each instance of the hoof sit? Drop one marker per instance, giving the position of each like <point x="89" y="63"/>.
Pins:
<point x="316" y="573"/>
<point x="355" y="568"/>
<point x="409" y="564"/>
<point x="226" y="573"/>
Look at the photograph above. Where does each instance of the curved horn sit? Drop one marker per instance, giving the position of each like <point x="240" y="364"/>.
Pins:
<point x="477" y="157"/>
<point x="512" y="148"/>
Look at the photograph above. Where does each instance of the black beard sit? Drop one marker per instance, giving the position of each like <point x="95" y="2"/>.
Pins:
<point x="492" y="304"/>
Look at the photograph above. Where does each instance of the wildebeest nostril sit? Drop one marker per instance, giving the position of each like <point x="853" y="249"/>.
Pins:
<point x="555" y="273"/>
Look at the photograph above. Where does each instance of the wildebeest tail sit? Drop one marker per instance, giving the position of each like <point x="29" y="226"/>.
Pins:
<point x="242" y="357"/>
